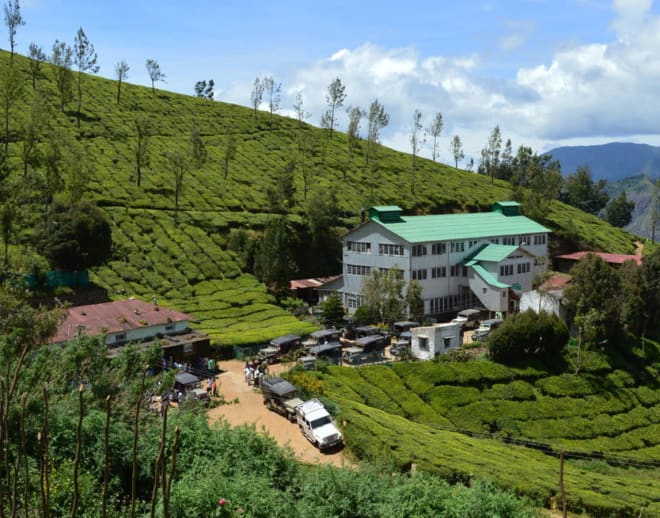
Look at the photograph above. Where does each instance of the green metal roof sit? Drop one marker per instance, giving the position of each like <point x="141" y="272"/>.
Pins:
<point x="494" y="253"/>
<point x="488" y="277"/>
<point x="452" y="227"/>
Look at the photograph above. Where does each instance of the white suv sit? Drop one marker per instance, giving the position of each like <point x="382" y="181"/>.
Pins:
<point x="316" y="424"/>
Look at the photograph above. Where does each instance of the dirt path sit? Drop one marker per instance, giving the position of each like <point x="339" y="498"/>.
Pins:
<point x="250" y="409"/>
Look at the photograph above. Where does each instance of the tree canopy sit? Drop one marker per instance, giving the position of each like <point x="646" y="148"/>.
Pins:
<point x="76" y="237"/>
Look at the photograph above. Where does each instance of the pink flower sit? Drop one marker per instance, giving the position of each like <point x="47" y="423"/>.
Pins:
<point x="222" y="501"/>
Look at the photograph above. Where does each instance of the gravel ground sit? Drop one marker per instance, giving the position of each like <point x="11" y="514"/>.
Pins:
<point x="251" y="410"/>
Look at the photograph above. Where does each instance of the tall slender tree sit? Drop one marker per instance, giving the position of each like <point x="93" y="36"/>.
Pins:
<point x="141" y="149"/>
<point x="62" y="59"/>
<point x="416" y="144"/>
<point x="335" y="97"/>
<point x="301" y="114"/>
<point x="37" y="58"/>
<point x="155" y="74"/>
<point x="355" y="115"/>
<point x="435" y="129"/>
<point x="121" y="74"/>
<point x="11" y="89"/>
<point x="179" y="163"/>
<point x="456" y="148"/>
<point x="273" y="91"/>
<point x="257" y="95"/>
<point x="13" y="20"/>
<point x="378" y="120"/>
<point x="231" y="145"/>
<point x="85" y="59"/>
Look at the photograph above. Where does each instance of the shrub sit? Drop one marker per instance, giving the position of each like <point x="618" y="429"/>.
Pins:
<point x="526" y="335"/>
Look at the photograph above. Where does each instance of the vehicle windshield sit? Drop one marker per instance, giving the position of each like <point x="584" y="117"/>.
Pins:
<point x="321" y="421"/>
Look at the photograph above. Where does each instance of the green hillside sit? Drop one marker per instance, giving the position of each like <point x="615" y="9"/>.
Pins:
<point x="189" y="266"/>
<point x="607" y="419"/>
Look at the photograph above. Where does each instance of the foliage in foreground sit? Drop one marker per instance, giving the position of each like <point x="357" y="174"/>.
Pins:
<point x="209" y="469"/>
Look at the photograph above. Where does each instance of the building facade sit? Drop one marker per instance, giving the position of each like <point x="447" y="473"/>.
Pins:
<point x="483" y="259"/>
<point x="134" y="321"/>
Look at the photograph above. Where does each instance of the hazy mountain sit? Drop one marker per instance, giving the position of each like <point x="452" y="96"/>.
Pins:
<point x="613" y="161"/>
<point x="627" y="167"/>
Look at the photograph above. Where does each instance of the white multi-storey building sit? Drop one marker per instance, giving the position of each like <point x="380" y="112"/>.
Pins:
<point x="483" y="259"/>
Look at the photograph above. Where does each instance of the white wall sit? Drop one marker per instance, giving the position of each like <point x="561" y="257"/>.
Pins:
<point x="146" y="332"/>
<point x="440" y="338"/>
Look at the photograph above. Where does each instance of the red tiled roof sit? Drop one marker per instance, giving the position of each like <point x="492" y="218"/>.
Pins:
<point x="311" y="283"/>
<point x="114" y="317"/>
<point x="556" y="282"/>
<point x="609" y="258"/>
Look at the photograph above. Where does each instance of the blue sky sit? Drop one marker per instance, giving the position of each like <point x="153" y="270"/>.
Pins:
<point x="548" y="72"/>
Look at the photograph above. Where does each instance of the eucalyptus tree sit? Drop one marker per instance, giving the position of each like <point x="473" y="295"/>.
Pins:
<point x="179" y="164"/>
<point x="37" y="58"/>
<point x="378" y="120"/>
<point x="121" y="74"/>
<point x="301" y="114"/>
<point x="85" y="58"/>
<point x="355" y="115"/>
<point x="155" y="74"/>
<point x="335" y="97"/>
<point x="435" y="129"/>
<point x="273" y="91"/>
<point x="143" y="129"/>
<point x="13" y="20"/>
<point x="62" y="60"/>
<point x="456" y="148"/>
<point x="257" y="95"/>
<point x="231" y="146"/>
<point x="11" y="90"/>
<point x="416" y="144"/>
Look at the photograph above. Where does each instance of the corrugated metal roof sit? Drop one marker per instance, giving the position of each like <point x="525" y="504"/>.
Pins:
<point x="494" y="253"/>
<point x="452" y="227"/>
<point x="488" y="277"/>
<point x="608" y="258"/>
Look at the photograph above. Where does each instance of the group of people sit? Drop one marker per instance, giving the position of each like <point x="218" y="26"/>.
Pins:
<point x="211" y="387"/>
<point x="254" y="371"/>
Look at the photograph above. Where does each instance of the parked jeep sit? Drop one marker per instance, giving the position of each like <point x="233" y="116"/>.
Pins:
<point x="280" y="396"/>
<point x="279" y="347"/>
<point x="316" y="424"/>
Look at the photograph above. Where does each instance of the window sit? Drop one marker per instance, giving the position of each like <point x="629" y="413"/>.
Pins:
<point x="465" y="271"/>
<point x="509" y="240"/>
<point x="539" y="239"/>
<point x="524" y="267"/>
<point x="456" y="270"/>
<point x="522" y="240"/>
<point x="419" y="275"/>
<point x="440" y="305"/>
<point x="352" y="302"/>
<point x="438" y="248"/>
<point x="423" y="343"/>
<point x="396" y="271"/>
<point x="438" y="272"/>
<point x="457" y="246"/>
<point x="387" y="249"/>
<point x="472" y="243"/>
<point x="418" y="250"/>
<point x="169" y="327"/>
<point x="495" y="241"/>
<point x="485" y="290"/>
<point x="506" y="270"/>
<point x="358" y="269"/>
<point x="121" y="337"/>
<point x="359" y="247"/>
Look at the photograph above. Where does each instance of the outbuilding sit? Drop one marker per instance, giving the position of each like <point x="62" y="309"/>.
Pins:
<point x="427" y="342"/>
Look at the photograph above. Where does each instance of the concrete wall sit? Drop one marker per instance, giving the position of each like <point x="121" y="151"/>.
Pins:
<point x="439" y="339"/>
<point x="146" y="332"/>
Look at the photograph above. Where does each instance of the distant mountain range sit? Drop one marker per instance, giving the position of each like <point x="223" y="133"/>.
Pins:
<point x="628" y="167"/>
<point x="613" y="161"/>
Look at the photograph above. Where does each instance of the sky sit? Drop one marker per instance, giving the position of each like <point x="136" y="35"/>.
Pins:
<point x="548" y="72"/>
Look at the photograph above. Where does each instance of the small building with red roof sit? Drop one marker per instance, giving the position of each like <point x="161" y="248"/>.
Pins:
<point x="134" y="321"/>
<point x="565" y="262"/>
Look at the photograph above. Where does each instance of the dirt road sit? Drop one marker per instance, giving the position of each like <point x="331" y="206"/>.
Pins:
<point x="250" y="409"/>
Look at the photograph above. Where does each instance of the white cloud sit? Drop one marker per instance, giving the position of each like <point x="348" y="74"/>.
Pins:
<point x="587" y="93"/>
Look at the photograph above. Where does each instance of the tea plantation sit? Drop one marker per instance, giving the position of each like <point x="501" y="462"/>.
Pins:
<point x="188" y="265"/>
<point x="486" y="420"/>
